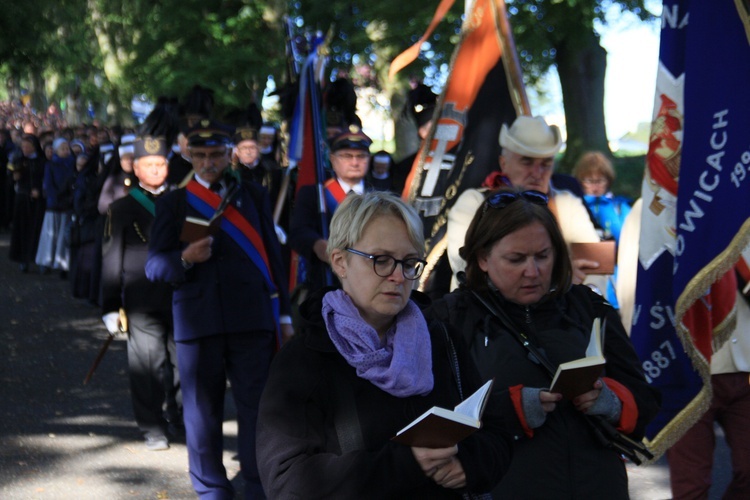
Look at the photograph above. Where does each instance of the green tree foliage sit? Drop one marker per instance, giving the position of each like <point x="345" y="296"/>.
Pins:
<point x="548" y="33"/>
<point x="372" y="33"/>
<point x="105" y="51"/>
<point x="44" y="39"/>
<point x="563" y="33"/>
<point x="230" y="46"/>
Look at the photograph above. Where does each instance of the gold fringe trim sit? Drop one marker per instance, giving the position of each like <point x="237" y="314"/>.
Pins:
<point x="432" y="260"/>
<point x="680" y="424"/>
<point x="742" y="9"/>
<point x="694" y="290"/>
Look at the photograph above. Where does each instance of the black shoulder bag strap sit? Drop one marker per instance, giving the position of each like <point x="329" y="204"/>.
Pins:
<point x="453" y="356"/>
<point x="345" y="417"/>
<point x="604" y="432"/>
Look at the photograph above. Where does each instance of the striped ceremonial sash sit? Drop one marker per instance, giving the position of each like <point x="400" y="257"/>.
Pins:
<point x="243" y="233"/>
<point x="334" y="195"/>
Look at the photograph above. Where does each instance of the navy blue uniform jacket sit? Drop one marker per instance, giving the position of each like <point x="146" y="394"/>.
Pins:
<point x="227" y="293"/>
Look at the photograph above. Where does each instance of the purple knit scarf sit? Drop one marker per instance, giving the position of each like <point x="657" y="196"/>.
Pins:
<point x="403" y="367"/>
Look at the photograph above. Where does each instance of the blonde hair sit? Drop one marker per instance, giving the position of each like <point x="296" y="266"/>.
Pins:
<point x="356" y="211"/>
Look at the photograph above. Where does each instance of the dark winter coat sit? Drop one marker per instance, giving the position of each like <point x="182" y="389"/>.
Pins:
<point x="299" y="453"/>
<point x="561" y="459"/>
<point x="59" y="175"/>
<point x="28" y="210"/>
<point x="125" y="251"/>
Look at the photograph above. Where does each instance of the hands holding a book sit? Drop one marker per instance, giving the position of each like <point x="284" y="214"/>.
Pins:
<point x="198" y="251"/>
<point x="441" y="465"/>
<point x="549" y="400"/>
<point x="582" y="268"/>
<point x="585" y="401"/>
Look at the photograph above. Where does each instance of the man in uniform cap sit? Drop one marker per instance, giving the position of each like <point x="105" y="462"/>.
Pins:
<point x="527" y="161"/>
<point x="180" y="163"/>
<point x="246" y="158"/>
<point x="154" y="381"/>
<point x="350" y="157"/>
<point x="229" y="285"/>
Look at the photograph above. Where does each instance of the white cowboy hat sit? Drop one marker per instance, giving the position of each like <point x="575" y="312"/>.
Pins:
<point x="531" y="136"/>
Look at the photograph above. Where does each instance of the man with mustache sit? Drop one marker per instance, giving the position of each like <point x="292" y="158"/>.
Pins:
<point x="229" y="292"/>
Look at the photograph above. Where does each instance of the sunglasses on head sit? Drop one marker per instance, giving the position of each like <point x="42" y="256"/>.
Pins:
<point x="505" y="198"/>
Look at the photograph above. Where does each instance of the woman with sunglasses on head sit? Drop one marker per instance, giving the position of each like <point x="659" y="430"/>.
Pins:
<point x="520" y="318"/>
<point x="364" y="365"/>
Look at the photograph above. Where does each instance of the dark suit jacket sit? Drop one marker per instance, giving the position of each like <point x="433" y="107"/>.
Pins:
<point x="227" y="293"/>
<point x="124" y="253"/>
<point x="179" y="168"/>
<point x="305" y="230"/>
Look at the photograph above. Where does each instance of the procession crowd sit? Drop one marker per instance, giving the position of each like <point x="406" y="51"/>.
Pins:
<point x="220" y="266"/>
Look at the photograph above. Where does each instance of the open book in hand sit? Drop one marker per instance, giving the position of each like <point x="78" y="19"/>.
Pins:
<point x="578" y="376"/>
<point x="441" y="428"/>
<point x="196" y="228"/>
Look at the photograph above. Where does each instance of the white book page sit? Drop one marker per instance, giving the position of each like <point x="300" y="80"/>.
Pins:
<point x="595" y="341"/>
<point x="473" y="405"/>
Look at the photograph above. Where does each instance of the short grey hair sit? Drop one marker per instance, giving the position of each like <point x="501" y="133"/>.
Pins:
<point x="356" y="211"/>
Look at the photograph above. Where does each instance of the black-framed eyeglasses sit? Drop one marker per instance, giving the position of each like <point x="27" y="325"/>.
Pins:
<point x="505" y="198"/>
<point x="384" y="265"/>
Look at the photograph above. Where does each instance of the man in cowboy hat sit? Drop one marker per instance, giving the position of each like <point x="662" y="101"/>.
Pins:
<point x="527" y="161"/>
<point x="154" y="381"/>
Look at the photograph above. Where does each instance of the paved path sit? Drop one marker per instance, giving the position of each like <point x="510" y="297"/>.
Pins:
<point x="60" y="439"/>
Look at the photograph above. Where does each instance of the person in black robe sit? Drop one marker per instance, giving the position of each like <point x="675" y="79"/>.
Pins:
<point x="27" y="169"/>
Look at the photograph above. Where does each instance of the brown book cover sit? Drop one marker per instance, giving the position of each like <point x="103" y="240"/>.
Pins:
<point x="194" y="229"/>
<point x="572" y="382"/>
<point x="437" y="429"/>
<point x="603" y="252"/>
<point x="578" y="376"/>
<point x="440" y="428"/>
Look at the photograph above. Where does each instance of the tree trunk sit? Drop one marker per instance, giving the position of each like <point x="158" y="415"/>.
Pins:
<point x="581" y="67"/>
<point x="12" y="86"/>
<point x="37" y="90"/>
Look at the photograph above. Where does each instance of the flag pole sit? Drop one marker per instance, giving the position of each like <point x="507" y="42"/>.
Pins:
<point x="293" y="76"/>
<point x="510" y="61"/>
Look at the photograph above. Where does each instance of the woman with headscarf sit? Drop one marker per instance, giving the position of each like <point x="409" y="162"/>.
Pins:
<point x="59" y="173"/>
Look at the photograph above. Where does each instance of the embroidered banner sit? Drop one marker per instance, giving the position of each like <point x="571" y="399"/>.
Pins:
<point x="696" y="208"/>
<point x="462" y="146"/>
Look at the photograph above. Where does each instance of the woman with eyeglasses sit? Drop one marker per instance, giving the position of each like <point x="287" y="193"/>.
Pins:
<point x="364" y="364"/>
<point x="520" y="318"/>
